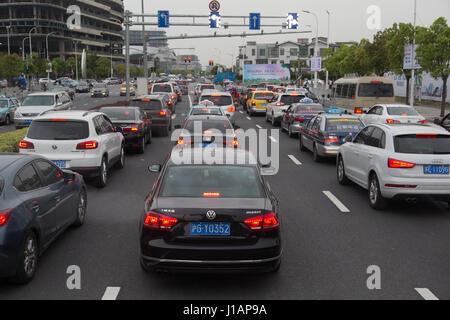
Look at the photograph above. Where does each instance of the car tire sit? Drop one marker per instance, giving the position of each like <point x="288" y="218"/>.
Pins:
<point x="102" y="179"/>
<point x="290" y="133"/>
<point x="81" y="209"/>
<point x="274" y="122"/>
<point x="28" y="258"/>
<point x="316" y="156"/>
<point x="340" y="170"/>
<point x="120" y="164"/>
<point x="376" y="199"/>
<point x="141" y="145"/>
<point x="149" y="135"/>
<point x="267" y="118"/>
<point x="301" y="147"/>
<point x="7" y="120"/>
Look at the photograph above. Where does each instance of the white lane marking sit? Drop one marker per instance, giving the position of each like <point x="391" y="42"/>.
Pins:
<point x="111" y="293"/>
<point x="273" y="139"/>
<point x="190" y="101"/>
<point x="249" y="118"/>
<point x="336" y="201"/>
<point x="174" y="116"/>
<point x="258" y="126"/>
<point x="294" y="160"/>
<point x="426" y="294"/>
<point x="240" y="111"/>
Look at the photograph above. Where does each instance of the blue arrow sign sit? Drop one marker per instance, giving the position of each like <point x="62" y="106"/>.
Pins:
<point x="163" y="19"/>
<point x="214" y="20"/>
<point x="292" y="21"/>
<point x="255" y="21"/>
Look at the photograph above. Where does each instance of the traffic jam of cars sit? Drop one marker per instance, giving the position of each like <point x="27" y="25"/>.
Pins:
<point x="206" y="216"/>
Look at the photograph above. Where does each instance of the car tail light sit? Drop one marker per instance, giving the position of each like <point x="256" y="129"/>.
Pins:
<point x="158" y="221"/>
<point x="279" y="104"/>
<point x="299" y="119"/>
<point x="392" y="163"/>
<point x="358" y="110"/>
<point x="211" y="194"/>
<point x="231" y="109"/>
<point x="132" y="128"/>
<point x="331" y="139"/>
<point x="265" y="222"/>
<point x="60" y="120"/>
<point x="180" y="141"/>
<point x="426" y="135"/>
<point x="422" y="121"/>
<point x="173" y="97"/>
<point x="162" y="113"/>
<point x="4" y="216"/>
<point x="88" y="145"/>
<point x="26" y="145"/>
<point x="253" y="103"/>
<point x="235" y="143"/>
<point x="392" y="121"/>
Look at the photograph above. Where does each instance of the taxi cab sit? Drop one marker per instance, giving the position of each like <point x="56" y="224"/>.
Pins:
<point x="123" y="89"/>
<point x="257" y="103"/>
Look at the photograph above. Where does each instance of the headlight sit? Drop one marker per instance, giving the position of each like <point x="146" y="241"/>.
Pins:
<point x="17" y="115"/>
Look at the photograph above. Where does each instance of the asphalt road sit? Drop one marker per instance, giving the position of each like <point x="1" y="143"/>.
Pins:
<point x="326" y="251"/>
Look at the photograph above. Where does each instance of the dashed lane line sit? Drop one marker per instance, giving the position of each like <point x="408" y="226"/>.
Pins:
<point x="294" y="160"/>
<point x="426" y="294"/>
<point x="111" y="293"/>
<point x="273" y="139"/>
<point x="248" y="118"/>
<point x="336" y="201"/>
<point x="258" y="126"/>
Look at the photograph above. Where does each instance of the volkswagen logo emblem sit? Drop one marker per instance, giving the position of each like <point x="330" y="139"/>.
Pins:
<point x="211" y="215"/>
<point x="54" y="147"/>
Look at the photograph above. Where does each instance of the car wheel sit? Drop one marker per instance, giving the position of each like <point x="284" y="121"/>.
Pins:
<point x="274" y="124"/>
<point x="149" y="135"/>
<point x="290" y="133"/>
<point x="121" y="163"/>
<point x="300" y="143"/>
<point x="81" y="209"/>
<point x="28" y="257"/>
<point x="7" y="120"/>
<point x="141" y="145"/>
<point x="376" y="199"/>
<point x="102" y="178"/>
<point x="341" y="176"/>
<point x="267" y="117"/>
<point x="316" y="156"/>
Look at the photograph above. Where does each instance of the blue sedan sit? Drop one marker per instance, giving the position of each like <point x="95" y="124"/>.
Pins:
<point x="38" y="202"/>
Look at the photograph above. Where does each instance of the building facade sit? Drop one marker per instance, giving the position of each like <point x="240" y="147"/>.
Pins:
<point x="100" y="31"/>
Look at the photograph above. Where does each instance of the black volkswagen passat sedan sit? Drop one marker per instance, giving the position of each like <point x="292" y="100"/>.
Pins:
<point x="210" y="217"/>
<point x="135" y="124"/>
<point x="38" y="202"/>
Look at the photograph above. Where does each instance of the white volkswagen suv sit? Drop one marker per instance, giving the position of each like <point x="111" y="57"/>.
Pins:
<point x="397" y="161"/>
<point x="83" y="141"/>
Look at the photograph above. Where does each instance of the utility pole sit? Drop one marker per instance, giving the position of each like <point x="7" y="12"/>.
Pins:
<point x="316" y="45"/>
<point x="127" y="50"/>
<point x="7" y="30"/>
<point x="328" y="46"/>
<point x="413" y="58"/>
<point x="76" y="60"/>
<point x="144" y="39"/>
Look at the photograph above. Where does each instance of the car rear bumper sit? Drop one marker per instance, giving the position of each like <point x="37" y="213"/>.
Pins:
<point x="327" y="151"/>
<point x="258" y="110"/>
<point x="425" y="188"/>
<point x="87" y="172"/>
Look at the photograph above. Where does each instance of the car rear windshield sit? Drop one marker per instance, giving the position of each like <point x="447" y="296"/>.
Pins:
<point x="290" y="99"/>
<point x="344" y="125"/>
<point x="119" y="113"/>
<point x="3" y="103"/>
<point x="220" y="181"/>
<point x="58" y="130"/>
<point x="221" y="125"/>
<point x="422" y="143"/>
<point x="308" y="109"/>
<point x="218" y="100"/>
<point x="147" y="104"/>
<point x="38" y="101"/>
<point x="376" y="90"/>
<point x="263" y="96"/>
<point x="206" y="111"/>
<point x="162" y="88"/>
<point x="208" y="86"/>
<point x="99" y="86"/>
<point x="402" y="111"/>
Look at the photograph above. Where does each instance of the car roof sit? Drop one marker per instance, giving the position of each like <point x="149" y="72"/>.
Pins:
<point x="42" y="94"/>
<point x="211" y="92"/>
<point x="208" y="107"/>
<point x="412" y="128"/>
<point x="9" y="158"/>
<point x="240" y="156"/>
<point x="208" y="117"/>
<point x="68" y="114"/>
<point x="151" y="96"/>
<point x="394" y="105"/>
<point x="338" y="116"/>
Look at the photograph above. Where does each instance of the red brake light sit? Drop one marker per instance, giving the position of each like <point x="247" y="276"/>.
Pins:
<point x="331" y="139"/>
<point x="280" y="104"/>
<point x="162" y="113"/>
<point x="427" y="135"/>
<point x="132" y="128"/>
<point x="61" y="120"/>
<point x="235" y="143"/>
<point x="392" y="121"/>
<point x="358" y="111"/>
<point x="180" y="141"/>
<point x="88" y="145"/>
<point x="146" y="100"/>
<point x="422" y="121"/>
<point x="155" y="220"/>
<point x="299" y="119"/>
<point x="392" y="163"/>
<point x="26" y="145"/>
<point x="265" y="222"/>
<point x="253" y="103"/>
<point x="231" y="109"/>
<point x="4" y="216"/>
<point x="211" y="194"/>
<point x="377" y="82"/>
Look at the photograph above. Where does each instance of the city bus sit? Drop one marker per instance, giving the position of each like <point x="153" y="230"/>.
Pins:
<point x="362" y="92"/>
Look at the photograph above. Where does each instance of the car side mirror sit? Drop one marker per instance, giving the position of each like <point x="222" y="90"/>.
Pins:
<point x="177" y="126"/>
<point x="155" y="168"/>
<point x="437" y="121"/>
<point x="349" y="138"/>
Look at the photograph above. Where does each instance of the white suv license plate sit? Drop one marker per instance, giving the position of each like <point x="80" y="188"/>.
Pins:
<point x="60" y="163"/>
<point x="436" y="169"/>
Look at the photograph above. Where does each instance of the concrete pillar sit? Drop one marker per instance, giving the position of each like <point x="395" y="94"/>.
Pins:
<point x="61" y="49"/>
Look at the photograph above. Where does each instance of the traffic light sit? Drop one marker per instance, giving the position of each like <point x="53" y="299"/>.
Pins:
<point x="189" y="60"/>
<point x="211" y="63"/>
<point x="185" y="59"/>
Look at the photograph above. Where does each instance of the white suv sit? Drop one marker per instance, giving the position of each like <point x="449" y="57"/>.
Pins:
<point x="36" y="103"/>
<point x="83" y="141"/>
<point x="397" y="161"/>
<point x="221" y="99"/>
<point x="165" y="88"/>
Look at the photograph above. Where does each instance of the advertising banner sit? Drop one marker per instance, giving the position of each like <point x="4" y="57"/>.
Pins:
<point x="273" y="73"/>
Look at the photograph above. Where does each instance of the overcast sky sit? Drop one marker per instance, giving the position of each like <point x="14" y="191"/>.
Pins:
<point x="348" y="20"/>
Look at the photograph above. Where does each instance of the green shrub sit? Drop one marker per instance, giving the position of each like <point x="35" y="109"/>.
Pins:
<point x="9" y="141"/>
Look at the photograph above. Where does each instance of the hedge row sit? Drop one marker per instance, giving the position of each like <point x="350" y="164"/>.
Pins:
<point x="9" y="141"/>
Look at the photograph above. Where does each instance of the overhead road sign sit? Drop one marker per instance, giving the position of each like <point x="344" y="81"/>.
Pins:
<point x="214" y="20"/>
<point x="255" y="21"/>
<point x="163" y="19"/>
<point x="292" y="20"/>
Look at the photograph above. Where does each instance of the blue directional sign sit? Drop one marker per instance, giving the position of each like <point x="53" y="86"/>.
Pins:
<point x="292" y="21"/>
<point x="163" y="19"/>
<point x="214" y="20"/>
<point x="255" y="21"/>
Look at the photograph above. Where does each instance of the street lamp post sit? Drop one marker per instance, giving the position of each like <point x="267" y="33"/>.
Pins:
<point x="144" y="39"/>
<point x="328" y="46"/>
<point x="316" y="45"/>
<point x="29" y="35"/>
<point x="7" y="32"/>
<point x="48" y="57"/>
<point x="76" y="60"/>
<point x="23" y="47"/>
